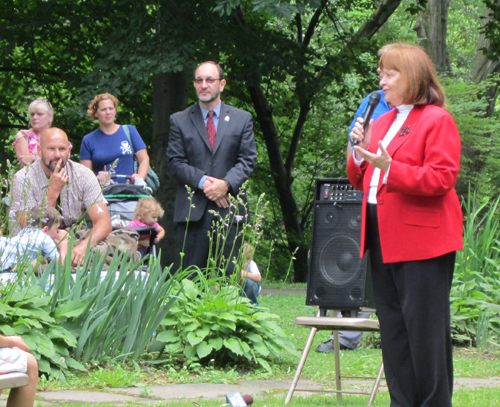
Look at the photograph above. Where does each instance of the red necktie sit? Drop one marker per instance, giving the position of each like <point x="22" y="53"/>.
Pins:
<point x="211" y="128"/>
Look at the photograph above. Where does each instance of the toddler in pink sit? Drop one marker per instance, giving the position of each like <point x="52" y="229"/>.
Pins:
<point x="146" y="214"/>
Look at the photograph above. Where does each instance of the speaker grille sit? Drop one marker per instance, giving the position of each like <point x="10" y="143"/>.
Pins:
<point x="338" y="260"/>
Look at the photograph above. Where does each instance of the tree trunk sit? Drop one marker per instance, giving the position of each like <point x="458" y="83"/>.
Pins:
<point x="431" y="29"/>
<point x="283" y="183"/>
<point x="484" y="67"/>
<point x="170" y="95"/>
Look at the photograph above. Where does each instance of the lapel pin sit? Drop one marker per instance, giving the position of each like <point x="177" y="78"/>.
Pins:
<point x="227" y="118"/>
<point x="404" y="131"/>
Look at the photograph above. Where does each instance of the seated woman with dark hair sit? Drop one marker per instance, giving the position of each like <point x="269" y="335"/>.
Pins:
<point x="101" y="148"/>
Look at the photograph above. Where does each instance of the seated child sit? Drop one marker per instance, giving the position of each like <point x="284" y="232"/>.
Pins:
<point x="146" y="214"/>
<point x="34" y="240"/>
<point x="250" y="272"/>
<point x="14" y="358"/>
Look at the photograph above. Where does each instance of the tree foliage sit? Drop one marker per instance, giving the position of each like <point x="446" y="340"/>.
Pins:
<point x="301" y="67"/>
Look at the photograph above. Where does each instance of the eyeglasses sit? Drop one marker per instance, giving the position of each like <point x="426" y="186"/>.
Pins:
<point x="209" y="81"/>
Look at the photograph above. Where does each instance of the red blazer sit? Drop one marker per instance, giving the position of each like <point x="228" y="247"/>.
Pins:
<point x="419" y="214"/>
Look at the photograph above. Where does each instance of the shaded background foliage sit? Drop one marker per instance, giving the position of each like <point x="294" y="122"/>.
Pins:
<point x="300" y="67"/>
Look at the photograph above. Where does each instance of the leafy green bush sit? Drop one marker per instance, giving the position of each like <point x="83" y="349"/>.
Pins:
<point x="210" y="322"/>
<point x="25" y="311"/>
<point x="84" y="317"/>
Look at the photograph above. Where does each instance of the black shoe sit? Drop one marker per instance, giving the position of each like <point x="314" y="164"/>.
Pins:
<point x="327" y="347"/>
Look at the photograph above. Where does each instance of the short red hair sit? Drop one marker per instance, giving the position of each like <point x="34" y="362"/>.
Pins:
<point x="94" y="104"/>
<point x="418" y="72"/>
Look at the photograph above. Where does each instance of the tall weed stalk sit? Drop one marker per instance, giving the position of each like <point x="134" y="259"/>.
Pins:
<point x="476" y="285"/>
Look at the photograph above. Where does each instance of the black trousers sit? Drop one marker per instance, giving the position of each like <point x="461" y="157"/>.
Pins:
<point x="210" y="236"/>
<point x="413" y="307"/>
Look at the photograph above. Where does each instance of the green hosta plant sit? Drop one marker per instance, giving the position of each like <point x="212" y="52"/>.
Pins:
<point x="25" y="311"/>
<point x="213" y="322"/>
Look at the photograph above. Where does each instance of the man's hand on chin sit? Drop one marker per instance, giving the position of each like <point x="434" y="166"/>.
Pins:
<point x="59" y="178"/>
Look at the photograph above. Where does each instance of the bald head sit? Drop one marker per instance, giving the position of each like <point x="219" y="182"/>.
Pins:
<point x="53" y="133"/>
<point x="53" y="149"/>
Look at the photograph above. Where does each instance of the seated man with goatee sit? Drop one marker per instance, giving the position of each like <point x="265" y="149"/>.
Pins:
<point x="70" y="187"/>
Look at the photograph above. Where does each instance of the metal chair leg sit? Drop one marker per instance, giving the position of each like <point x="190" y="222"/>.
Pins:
<point x="338" y="373"/>
<point x="302" y="362"/>
<point x="378" y="379"/>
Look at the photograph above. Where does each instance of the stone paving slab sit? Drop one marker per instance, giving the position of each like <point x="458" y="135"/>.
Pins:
<point x="213" y="391"/>
<point x="172" y="392"/>
<point x="197" y="391"/>
<point x="468" y="383"/>
<point x="87" y="397"/>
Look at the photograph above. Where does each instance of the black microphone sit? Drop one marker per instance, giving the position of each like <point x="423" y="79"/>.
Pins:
<point x="372" y="104"/>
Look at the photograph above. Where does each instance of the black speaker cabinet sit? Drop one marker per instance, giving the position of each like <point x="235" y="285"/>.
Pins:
<point x="338" y="278"/>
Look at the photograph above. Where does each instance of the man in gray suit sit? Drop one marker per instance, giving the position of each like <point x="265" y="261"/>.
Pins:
<point x="211" y="150"/>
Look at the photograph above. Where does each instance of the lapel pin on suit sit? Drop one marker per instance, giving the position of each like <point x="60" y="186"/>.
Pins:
<point x="227" y="118"/>
<point x="404" y="131"/>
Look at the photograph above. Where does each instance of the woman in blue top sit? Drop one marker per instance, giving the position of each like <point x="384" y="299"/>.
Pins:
<point x="109" y="142"/>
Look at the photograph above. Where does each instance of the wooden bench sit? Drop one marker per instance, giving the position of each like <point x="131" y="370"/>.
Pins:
<point x="12" y="380"/>
<point x="336" y="324"/>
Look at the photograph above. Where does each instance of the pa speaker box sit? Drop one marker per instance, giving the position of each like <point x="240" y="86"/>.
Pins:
<point x="338" y="278"/>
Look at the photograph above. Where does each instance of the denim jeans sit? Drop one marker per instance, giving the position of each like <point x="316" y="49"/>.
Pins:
<point x="252" y="290"/>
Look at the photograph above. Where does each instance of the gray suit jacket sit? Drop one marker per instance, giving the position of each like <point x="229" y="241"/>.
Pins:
<point x="190" y="157"/>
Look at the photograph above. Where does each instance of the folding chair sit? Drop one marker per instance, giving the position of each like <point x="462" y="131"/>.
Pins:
<point x="13" y="380"/>
<point x="336" y="324"/>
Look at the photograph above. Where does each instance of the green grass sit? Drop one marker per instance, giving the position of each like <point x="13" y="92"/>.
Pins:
<point x="319" y="367"/>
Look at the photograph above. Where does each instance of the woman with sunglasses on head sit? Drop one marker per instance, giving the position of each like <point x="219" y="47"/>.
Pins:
<point x="26" y="142"/>
<point x="407" y="163"/>
<point x="101" y="148"/>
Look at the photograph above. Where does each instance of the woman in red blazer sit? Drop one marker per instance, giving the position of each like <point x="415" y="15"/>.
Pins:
<point x="407" y="164"/>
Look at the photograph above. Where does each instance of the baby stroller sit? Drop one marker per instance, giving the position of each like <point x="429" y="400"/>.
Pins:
<point x="122" y="199"/>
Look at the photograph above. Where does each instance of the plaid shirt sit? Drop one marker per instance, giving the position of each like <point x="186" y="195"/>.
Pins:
<point x="81" y="192"/>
